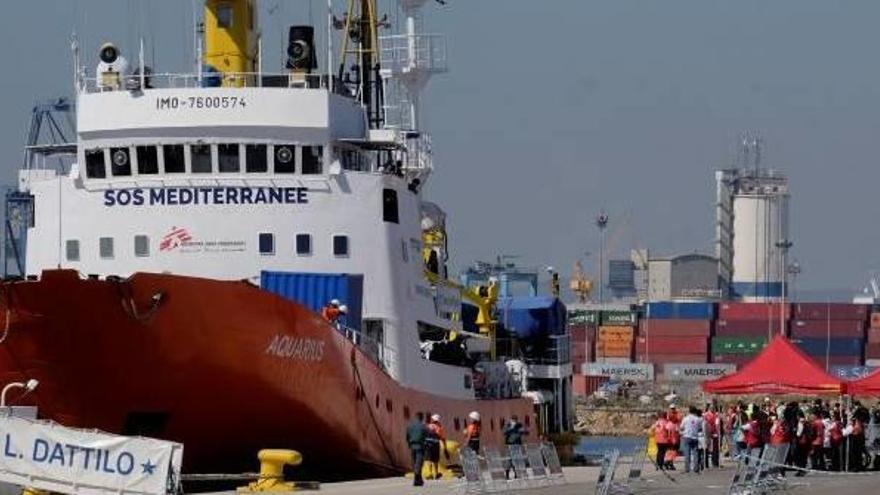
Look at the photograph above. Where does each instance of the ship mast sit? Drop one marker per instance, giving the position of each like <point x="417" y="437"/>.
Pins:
<point x="360" y="27"/>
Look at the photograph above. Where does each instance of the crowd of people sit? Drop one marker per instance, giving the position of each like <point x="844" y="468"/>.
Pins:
<point x="820" y="435"/>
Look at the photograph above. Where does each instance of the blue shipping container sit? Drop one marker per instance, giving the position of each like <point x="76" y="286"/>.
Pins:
<point x="680" y="311"/>
<point x="834" y="347"/>
<point x="314" y="290"/>
<point x="532" y="317"/>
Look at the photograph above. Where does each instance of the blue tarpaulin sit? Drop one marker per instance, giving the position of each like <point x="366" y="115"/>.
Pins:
<point x="532" y="317"/>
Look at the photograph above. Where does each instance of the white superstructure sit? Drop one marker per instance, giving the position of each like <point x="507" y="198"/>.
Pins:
<point x="273" y="172"/>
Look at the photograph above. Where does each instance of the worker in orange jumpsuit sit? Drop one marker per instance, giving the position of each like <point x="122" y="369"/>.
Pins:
<point x="330" y="311"/>
<point x="472" y="432"/>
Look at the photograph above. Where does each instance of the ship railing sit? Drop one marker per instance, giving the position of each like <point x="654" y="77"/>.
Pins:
<point x="381" y="354"/>
<point x="169" y="80"/>
<point x="405" y="53"/>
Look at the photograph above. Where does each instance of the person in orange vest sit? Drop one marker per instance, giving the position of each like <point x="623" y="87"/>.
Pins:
<point x="661" y="438"/>
<point x="435" y="442"/>
<point x="835" y="440"/>
<point x="472" y="432"/>
<point x="713" y="437"/>
<point x="673" y="420"/>
<point x="817" y="454"/>
<point x="330" y="311"/>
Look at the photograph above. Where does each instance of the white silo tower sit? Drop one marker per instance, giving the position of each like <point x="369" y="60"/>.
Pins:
<point x="752" y="230"/>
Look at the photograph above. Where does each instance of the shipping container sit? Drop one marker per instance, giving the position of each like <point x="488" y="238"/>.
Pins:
<point x="872" y="350"/>
<point x="586" y="317"/>
<point x="753" y="311"/>
<point x="635" y="372"/>
<point x="673" y="358"/>
<point x="586" y="385"/>
<point x="617" y="318"/>
<point x="679" y="372"/>
<point x="680" y="311"/>
<point x="738" y="345"/>
<point x="875" y="320"/>
<point x="746" y="328"/>
<point x="851" y="372"/>
<point x="838" y="361"/>
<point x="613" y="360"/>
<point x="672" y="345"/>
<point x="874" y="335"/>
<point x="616" y="333"/>
<point x="675" y="328"/>
<point x="315" y="290"/>
<point x="845" y="329"/>
<point x="739" y="360"/>
<point x="834" y="347"/>
<point x="833" y="311"/>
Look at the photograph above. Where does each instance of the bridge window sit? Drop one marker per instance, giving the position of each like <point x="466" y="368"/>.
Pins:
<point x="148" y="160"/>
<point x="389" y="206"/>
<point x="141" y="246"/>
<point x="96" y="167"/>
<point x="224" y="16"/>
<point x="200" y="156"/>
<point x="303" y="244"/>
<point x="120" y="162"/>
<point x="285" y="159"/>
<point x="267" y="243"/>
<point x="105" y="248"/>
<point x="340" y="245"/>
<point x="72" y="249"/>
<point x="175" y="160"/>
<point x="256" y="158"/>
<point x="227" y="158"/>
<point x="312" y="160"/>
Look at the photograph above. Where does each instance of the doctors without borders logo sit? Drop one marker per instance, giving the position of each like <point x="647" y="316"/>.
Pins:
<point x="174" y="239"/>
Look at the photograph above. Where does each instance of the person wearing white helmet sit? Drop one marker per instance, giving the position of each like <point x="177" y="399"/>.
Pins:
<point x="331" y="311"/>
<point x="436" y="438"/>
<point x="472" y="432"/>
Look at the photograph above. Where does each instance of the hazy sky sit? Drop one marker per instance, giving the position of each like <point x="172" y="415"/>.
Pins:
<point x="555" y="109"/>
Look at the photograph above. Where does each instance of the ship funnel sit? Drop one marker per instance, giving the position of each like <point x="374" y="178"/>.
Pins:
<point x="231" y="39"/>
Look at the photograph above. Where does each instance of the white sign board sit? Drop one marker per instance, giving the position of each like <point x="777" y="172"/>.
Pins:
<point x="635" y="371"/>
<point x="55" y="458"/>
<point x="696" y="372"/>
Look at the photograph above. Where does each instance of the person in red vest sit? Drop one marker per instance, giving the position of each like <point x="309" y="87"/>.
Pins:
<point x="754" y="433"/>
<point x="672" y="427"/>
<point x="803" y="442"/>
<point x="661" y="437"/>
<point x="835" y="441"/>
<point x="817" y="454"/>
<point x="713" y="436"/>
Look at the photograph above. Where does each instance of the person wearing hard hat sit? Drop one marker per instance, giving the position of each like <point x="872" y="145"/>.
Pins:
<point x="472" y="432"/>
<point x="435" y="440"/>
<point x="330" y="311"/>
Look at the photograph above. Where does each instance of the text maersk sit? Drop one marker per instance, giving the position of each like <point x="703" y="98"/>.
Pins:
<point x="174" y="196"/>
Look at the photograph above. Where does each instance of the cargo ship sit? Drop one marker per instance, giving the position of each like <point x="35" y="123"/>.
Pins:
<point x="174" y="273"/>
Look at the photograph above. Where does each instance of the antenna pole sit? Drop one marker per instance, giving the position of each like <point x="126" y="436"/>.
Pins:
<point x="330" y="82"/>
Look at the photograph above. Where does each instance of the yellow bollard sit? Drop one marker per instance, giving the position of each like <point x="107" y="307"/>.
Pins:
<point x="272" y="462"/>
<point x="33" y="491"/>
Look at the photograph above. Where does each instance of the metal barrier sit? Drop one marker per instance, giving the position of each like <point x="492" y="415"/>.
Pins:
<point x="605" y="481"/>
<point x="533" y="466"/>
<point x="760" y="474"/>
<point x="640" y="452"/>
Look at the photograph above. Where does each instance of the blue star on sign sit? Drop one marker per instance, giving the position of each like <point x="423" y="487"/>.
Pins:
<point x="149" y="467"/>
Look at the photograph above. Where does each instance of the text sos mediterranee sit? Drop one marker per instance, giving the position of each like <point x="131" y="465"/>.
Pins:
<point x="200" y="102"/>
<point x="174" y="196"/>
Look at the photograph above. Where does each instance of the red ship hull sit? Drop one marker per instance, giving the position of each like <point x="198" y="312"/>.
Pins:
<point x="222" y="367"/>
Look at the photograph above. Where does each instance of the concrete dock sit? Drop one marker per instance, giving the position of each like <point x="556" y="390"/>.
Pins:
<point x="582" y="480"/>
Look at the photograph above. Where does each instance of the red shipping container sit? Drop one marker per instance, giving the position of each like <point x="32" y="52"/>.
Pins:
<point x="875" y="320"/>
<point x="833" y="311"/>
<point x="819" y="328"/>
<point x="582" y="332"/>
<point x="586" y="385"/>
<point x="675" y="328"/>
<point x="874" y="335"/>
<point x="672" y="345"/>
<point x="872" y="350"/>
<point x="752" y="311"/>
<point x="672" y="358"/>
<point x="746" y="328"/>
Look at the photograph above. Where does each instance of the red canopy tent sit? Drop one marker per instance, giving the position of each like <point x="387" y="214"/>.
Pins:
<point x="867" y="385"/>
<point x="781" y="368"/>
